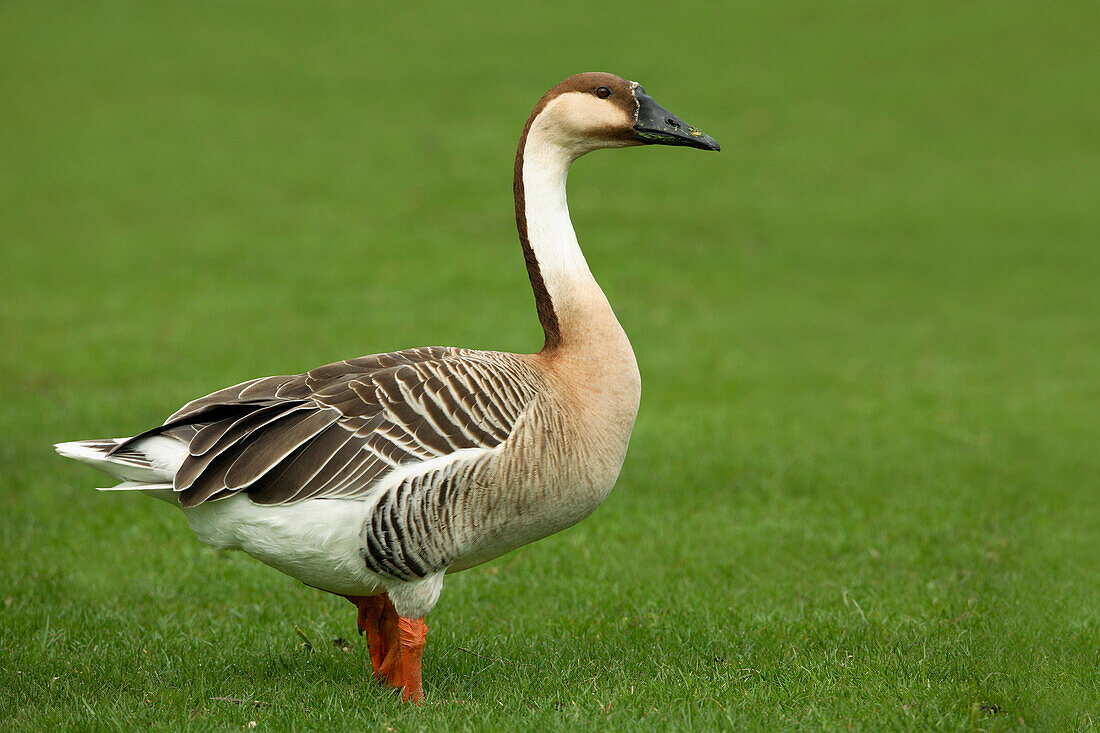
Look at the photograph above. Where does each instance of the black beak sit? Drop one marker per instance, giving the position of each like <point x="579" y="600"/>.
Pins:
<point x="657" y="126"/>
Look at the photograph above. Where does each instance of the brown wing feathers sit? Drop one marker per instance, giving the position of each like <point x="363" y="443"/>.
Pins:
<point x="334" y="431"/>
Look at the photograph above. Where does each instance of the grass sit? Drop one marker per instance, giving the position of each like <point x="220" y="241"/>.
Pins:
<point x="862" y="491"/>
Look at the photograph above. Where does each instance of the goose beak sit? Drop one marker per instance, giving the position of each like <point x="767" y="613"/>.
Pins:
<point x="657" y="126"/>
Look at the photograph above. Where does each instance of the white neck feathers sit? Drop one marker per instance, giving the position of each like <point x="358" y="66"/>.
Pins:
<point x="577" y="307"/>
<point x="549" y="229"/>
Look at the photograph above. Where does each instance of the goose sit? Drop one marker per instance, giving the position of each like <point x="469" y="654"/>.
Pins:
<point x="374" y="477"/>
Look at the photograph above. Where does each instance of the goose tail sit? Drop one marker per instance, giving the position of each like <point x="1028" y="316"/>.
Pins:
<point x="148" y="465"/>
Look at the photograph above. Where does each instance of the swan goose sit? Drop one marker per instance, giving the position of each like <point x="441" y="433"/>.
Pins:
<point x="373" y="477"/>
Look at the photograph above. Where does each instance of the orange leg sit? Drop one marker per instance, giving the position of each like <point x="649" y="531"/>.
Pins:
<point x="396" y="644"/>
<point x="412" y="635"/>
<point x="369" y="622"/>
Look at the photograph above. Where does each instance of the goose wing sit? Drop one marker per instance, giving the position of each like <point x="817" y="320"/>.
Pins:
<point x="339" y="430"/>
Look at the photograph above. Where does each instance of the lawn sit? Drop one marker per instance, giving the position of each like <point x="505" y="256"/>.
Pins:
<point x="862" y="493"/>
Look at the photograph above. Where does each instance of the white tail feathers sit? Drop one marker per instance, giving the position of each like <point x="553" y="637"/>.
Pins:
<point x="135" y="486"/>
<point x="153" y="460"/>
<point x="164" y="492"/>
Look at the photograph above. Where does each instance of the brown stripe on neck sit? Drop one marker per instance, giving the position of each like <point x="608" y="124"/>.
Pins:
<point x="543" y="303"/>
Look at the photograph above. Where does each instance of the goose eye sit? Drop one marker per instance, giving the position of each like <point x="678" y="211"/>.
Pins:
<point x="603" y="92"/>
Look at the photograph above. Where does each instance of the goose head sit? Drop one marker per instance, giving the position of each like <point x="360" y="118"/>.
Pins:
<point x="597" y="110"/>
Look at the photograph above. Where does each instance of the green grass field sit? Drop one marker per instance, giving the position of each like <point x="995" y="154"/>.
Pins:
<point x="862" y="493"/>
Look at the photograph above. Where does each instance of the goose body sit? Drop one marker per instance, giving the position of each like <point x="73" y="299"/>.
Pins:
<point x="373" y="477"/>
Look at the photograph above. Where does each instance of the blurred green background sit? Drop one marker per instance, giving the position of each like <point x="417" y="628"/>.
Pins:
<point x="862" y="490"/>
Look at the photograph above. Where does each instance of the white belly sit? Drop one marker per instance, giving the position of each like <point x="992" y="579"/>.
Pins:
<point x="315" y="541"/>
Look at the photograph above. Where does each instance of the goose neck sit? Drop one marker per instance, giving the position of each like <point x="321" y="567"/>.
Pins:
<point x="571" y="307"/>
